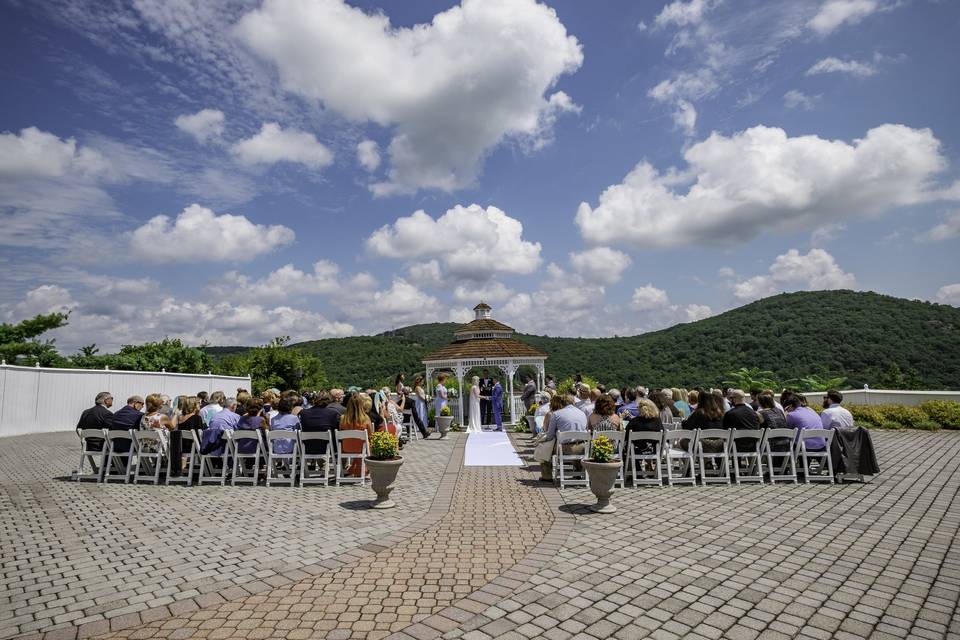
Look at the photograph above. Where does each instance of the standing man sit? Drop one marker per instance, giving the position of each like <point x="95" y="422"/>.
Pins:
<point x="486" y="404"/>
<point x="529" y="395"/>
<point x="496" y="399"/>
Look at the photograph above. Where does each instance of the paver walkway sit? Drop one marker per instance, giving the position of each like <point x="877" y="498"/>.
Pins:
<point x="491" y="554"/>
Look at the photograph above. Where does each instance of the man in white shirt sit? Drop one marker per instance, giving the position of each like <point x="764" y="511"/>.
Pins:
<point x="217" y="398"/>
<point x="834" y="416"/>
<point x="584" y="403"/>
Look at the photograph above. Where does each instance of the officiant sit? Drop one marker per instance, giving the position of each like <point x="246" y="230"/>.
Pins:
<point x="486" y="389"/>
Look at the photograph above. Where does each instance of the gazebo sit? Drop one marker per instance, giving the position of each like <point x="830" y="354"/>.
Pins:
<point x="485" y="342"/>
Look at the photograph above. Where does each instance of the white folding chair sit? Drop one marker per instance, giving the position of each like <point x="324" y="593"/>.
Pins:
<point x="410" y="426"/>
<point x="119" y="463"/>
<point x="209" y="464"/>
<point x="246" y="465"/>
<point x="188" y="437"/>
<point x="345" y="459"/>
<point x="785" y="467"/>
<point x="278" y="463"/>
<point x="151" y="451"/>
<point x="676" y="423"/>
<point x="746" y="456"/>
<point x="616" y="437"/>
<point x="640" y="461"/>
<point x="714" y="465"/>
<point x="567" y="463"/>
<point x="821" y="459"/>
<point x="308" y="460"/>
<point x="680" y="461"/>
<point x="94" y="448"/>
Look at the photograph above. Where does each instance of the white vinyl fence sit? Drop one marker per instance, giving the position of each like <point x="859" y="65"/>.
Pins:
<point x="887" y="396"/>
<point x="35" y="399"/>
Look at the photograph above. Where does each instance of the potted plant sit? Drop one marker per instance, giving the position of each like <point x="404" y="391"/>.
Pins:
<point x="602" y="471"/>
<point x="384" y="463"/>
<point x="444" y="420"/>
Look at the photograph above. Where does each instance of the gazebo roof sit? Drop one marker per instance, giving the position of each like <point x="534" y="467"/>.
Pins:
<point x="485" y="348"/>
<point x="484" y="324"/>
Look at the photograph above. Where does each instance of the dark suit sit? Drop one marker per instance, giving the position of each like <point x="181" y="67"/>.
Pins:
<point x="317" y="419"/>
<point x="339" y="408"/>
<point x="126" y="418"/>
<point x="742" y="417"/>
<point x="96" y="417"/>
<point x="486" y="405"/>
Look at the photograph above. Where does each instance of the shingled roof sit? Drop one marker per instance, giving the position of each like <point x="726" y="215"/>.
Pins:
<point x="484" y="324"/>
<point x="485" y="348"/>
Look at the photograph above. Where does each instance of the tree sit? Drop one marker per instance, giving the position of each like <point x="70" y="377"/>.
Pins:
<point x="752" y="378"/>
<point x="818" y="383"/>
<point x="19" y="343"/>
<point x="276" y="365"/>
<point x="167" y="355"/>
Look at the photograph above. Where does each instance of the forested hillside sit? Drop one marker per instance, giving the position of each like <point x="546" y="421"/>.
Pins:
<point x="866" y="337"/>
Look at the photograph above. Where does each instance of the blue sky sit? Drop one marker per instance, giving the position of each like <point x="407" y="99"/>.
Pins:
<point x="228" y="172"/>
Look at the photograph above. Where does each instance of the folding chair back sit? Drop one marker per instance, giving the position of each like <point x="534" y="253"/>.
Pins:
<point x="119" y="463"/>
<point x="816" y="466"/>
<point x="208" y="463"/>
<point x="310" y="460"/>
<point x="282" y="467"/>
<point x="568" y="463"/>
<point x="781" y="464"/>
<point x="410" y="426"/>
<point x="188" y="437"/>
<point x="714" y="465"/>
<point x="745" y="456"/>
<point x="680" y="460"/>
<point x="645" y="468"/>
<point x="246" y="457"/>
<point x="616" y="437"/>
<point x="94" y="448"/>
<point x="350" y="458"/>
<point x="151" y="450"/>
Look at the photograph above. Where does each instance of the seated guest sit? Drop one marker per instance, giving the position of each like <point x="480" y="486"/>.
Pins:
<point x="649" y="418"/>
<point x="566" y="418"/>
<point x="708" y="415"/>
<point x="680" y="402"/>
<point x="126" y="418"/>
<point x="98" y="416"/>
<point x="337" y="401"/>
<point x="373" y="413"/>
<point x="319" y="417"/>
<point x="393" y="413"/>
<point x="834" y="416"/>
<point x="617" y="400"/>
<point x="356" y="418"/>
<point x="202" y="397"/>
<point x="629" y="409"/>
<point x="213" y="407"/>
<point x="741" y="417"/>
<point x="285" y="420"/>
<point x="770" y="416"/>
<point x="243" y="396"/>
<point x="692" y="398"/>
<point x="801" y="417"/>
<point x="664" y="405"/>
<point x="251" y="420"/>
<point x="222" y="422"/>
<point x="269" y="399"/>
<point x="188" y="420"/>
<point x="583" y="401"/>
<point x="604" y="416"/>
<point x="156" y="419"/>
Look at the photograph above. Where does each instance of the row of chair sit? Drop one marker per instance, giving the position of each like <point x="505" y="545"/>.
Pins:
<point x="679" y="456"/>
<point x="139" y="455"/>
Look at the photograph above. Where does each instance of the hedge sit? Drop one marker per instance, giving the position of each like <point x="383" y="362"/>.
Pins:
<point x="929" y="416"/>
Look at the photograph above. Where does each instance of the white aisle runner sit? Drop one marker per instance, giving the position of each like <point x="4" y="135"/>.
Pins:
<point x="490" y="449"/>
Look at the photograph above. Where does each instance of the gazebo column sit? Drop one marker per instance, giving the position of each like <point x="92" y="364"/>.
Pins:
<point x="460" y="371"/>
<point x="511" y="372"/>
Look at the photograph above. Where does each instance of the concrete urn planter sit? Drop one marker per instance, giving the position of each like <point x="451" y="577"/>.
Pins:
<point x="383" y="476"/>
<point x="602" y="477"/>
<point x="443" y="423"/>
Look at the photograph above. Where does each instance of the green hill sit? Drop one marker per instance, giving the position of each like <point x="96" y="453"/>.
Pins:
<point x="869" y="338"/>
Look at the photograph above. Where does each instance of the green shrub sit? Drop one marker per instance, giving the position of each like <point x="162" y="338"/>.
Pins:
<point x="601" y="450"/>
<point x="943" y="412"/>
<point x="927" y="425"/>
<point x="895" y="426"/>
<point x="521" y="426"/>
<point x="907" y="416"/>
<point x="384" y="446"/>
<point x="532" y="411"/>
<point x="865" y="415"/>
<point x="566" y="386"/>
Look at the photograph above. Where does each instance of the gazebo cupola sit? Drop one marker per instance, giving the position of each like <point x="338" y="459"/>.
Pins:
<point x="483" y="326"/>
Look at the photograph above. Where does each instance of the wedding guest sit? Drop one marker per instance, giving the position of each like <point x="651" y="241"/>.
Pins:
<point x="741" y="417"/>
<point x="629" y="409"/>
<point x="188" y="421"/>
<point x="319" y="418"/>
<point x="269" y="399"/>
<point x="692" y="399"/>
<point x="419" y="411"/>
<point x="285" y="420"/>
<point x="214" y="407"/>
<point x="801" y="418"/>
<point x="126" y="418"/>
<point x="708" y="415"/>
<point x="157" y="420"/>
<point x="222" y="422"/>
<point x="649" y="418"/>
<point x="565" y="418"/>
<point x="202" y="397"/>
<point x="399" y="383"/>
<point x="680" y="402"/>
<point x="664" y="406"/>
<point x="772" y="418"/>
<point x="604" y="416"/>
<point x="529" y="394"/>
<point x="98" y="416"/>
<point x="356" y="418"/>
<point x="835" y="416"/>
<point x="251" y="420"/>
<point x="583" y="401"/>
<point x="440" y="395"/>
<point x="243" y="396"/>
<point x="336" y="396"/>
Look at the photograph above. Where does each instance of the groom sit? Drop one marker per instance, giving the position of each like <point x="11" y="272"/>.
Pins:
<point x="486" y="388"/>
<point x="496" y="399"/>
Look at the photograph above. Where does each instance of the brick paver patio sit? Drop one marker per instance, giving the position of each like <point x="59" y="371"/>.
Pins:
<point x="479" y="553"/>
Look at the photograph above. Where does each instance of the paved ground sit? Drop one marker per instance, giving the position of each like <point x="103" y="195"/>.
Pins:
<point x="479" y="553"/>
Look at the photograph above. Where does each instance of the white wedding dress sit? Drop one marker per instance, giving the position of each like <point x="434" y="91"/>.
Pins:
<point x="476" y="419"/>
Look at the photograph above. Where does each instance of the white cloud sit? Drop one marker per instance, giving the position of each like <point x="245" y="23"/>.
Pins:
<point x="836" y="65"/>
<point x="469" y="241"/>
<point x="696" y="312"/>
<point x="368" y="154"/>
<point x="648" y="298"/>
<point x="402" y="304"/>
<point x="36" y="153"/>
<point x="949" y="294"/>
<point x="200" y="235"/>
<point x="478" y="74"/>
<point x="793" y="271"/>
<point x="946" y="230"/>
<point x="492" y="293"/>
<point x="274" y="144"/>
<point x="282" y="284"/>
<point x="682" y="14"/>
<point x="204" y="125"/>
<point x="835" y="13"/>
<point x="460" y="315"/>
<point x="601" y="265"/>
<point x="685" y="117"/>
<point x="760" y="180"/>
<point x="427" y="273"/>
<point x="794" y="99"/>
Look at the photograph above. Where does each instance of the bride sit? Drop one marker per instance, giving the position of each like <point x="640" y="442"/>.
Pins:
<point x="476" y="417"/>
